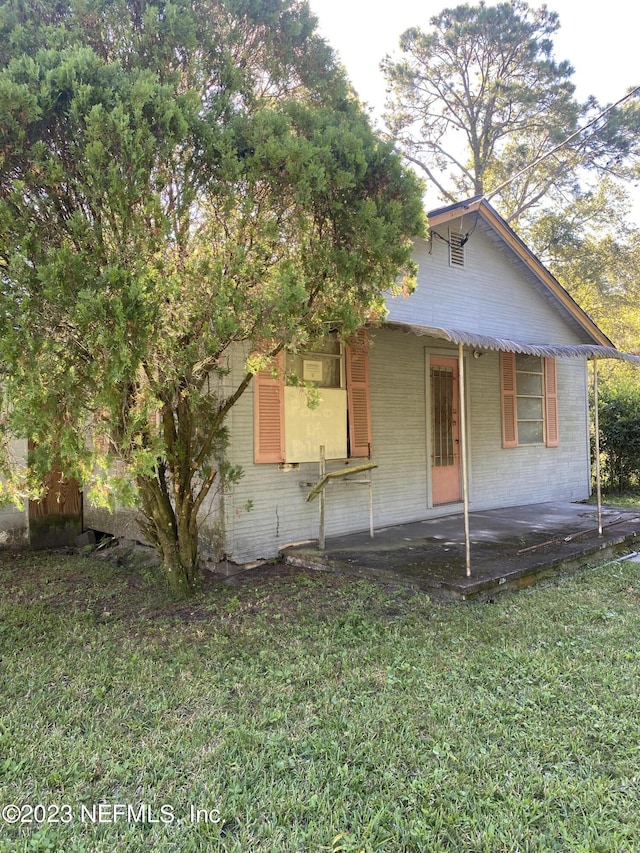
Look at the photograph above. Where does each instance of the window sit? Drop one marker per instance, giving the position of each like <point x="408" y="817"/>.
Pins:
<point x="324" y="366"/>
<point x="286" y="429"/>
<point x="308" y="427"/>
<point x="529" y="400"/>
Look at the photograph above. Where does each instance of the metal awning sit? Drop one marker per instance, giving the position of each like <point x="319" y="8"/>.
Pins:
<point x="488" y="342"/>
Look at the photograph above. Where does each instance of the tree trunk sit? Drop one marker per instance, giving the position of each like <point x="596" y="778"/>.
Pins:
<point x="174" y="533"/>
<point x="180" y="578"/>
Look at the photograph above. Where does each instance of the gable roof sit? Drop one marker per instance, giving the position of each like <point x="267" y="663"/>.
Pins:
<point x="509" y="240"/>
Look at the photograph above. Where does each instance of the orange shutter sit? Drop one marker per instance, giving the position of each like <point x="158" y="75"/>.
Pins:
<point x="509" y="405"/>
<point x="358" y="397"/>
<point x="268" y="416"/>
<point x="551" y="402"/>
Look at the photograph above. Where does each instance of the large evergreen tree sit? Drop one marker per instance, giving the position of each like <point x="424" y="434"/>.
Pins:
<point x="177" y="177"/>
<point x="479" y="96"/>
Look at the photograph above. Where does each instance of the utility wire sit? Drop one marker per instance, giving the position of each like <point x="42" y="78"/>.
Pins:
<point x="563" y="143"/>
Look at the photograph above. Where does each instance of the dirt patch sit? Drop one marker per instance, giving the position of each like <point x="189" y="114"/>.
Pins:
<point x="124" y="583"/>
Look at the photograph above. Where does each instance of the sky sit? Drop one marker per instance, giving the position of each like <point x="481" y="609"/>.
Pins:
<point x="599" y="40"/>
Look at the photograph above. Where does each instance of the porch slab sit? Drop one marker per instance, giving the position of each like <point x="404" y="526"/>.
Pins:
<point x="511" y="548"/>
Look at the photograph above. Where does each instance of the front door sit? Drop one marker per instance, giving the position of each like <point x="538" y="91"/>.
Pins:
<point x="445" y="430"/>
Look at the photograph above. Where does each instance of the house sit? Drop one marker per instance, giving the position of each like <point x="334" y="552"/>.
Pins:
<point x="487" y="319"/>
<point x="472" y="395"/>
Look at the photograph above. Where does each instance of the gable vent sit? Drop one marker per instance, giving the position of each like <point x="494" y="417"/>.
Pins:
<point x="456" y="249"/>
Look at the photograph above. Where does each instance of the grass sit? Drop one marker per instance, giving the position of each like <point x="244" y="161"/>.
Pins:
<point x="303" y="711"/>
<point x="626" y="500"/>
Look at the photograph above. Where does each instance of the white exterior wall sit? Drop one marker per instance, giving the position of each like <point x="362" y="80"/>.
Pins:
<point x="267" y="509"/>
<point x="530" y="473"/>
<point x="123" y="522"/>
<point x="493" y="294"/>
<point x="280" y="514"/>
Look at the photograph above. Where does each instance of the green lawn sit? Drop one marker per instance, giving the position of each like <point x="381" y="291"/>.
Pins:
<point x="308" y="712"/>
<point x="627" y="500"/>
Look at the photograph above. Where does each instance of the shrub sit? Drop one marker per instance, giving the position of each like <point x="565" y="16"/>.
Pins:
<point x="619" y="413"/>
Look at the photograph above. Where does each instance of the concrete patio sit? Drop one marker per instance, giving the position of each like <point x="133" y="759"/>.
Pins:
<point x="510" y="548"/>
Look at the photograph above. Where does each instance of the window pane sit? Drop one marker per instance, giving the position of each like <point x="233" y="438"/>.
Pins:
<point x="293" y="364"/>
<point x="442" y="416"/>
<point x="322" y="370"/>
<point x="530" y="363"/>
<point x="329" y="345"/>
<point x="529" y="408"/>
<point x="530" y="432"/>
<point x="330" y="370"/>
<point x="529" y="383"/>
